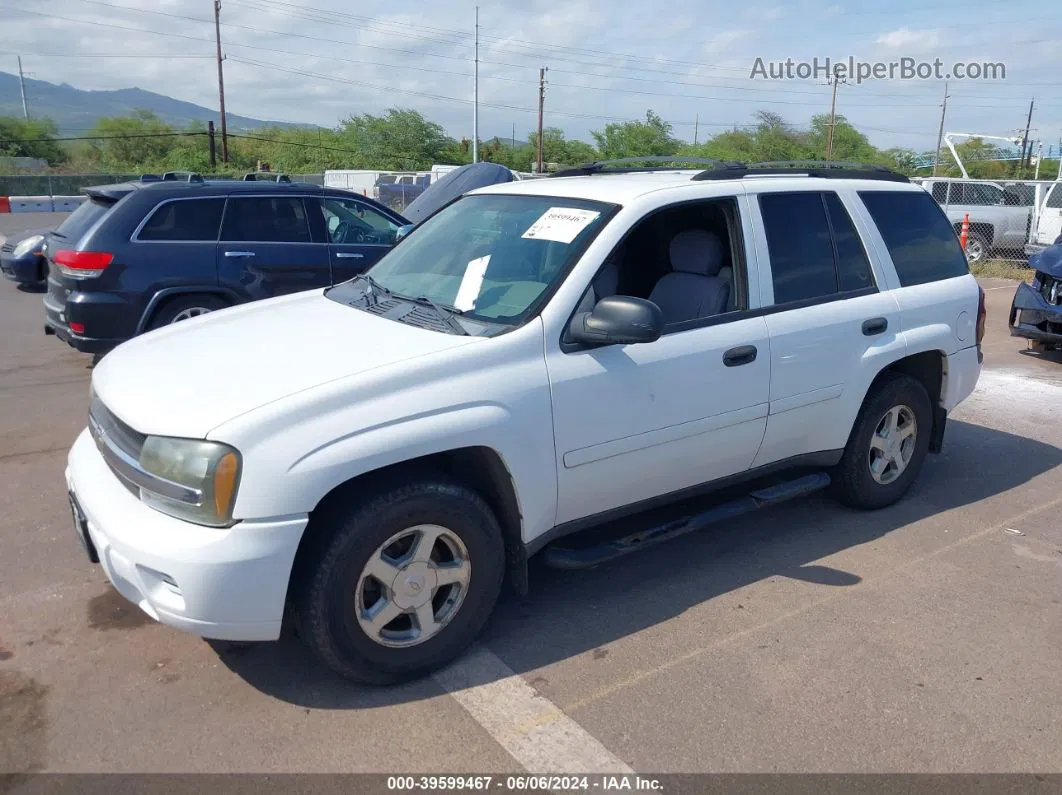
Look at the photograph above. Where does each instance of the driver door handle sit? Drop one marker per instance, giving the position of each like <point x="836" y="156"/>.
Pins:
<point x="735" y="357"/>
<point x="239" y="253"/>
<point x="348" y="255"/>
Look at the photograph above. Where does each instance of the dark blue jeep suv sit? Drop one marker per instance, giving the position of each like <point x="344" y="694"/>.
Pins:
<point x="140" y="255"/>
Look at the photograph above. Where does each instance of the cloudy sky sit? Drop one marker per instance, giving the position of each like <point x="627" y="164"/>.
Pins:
<point x="688" y="60"/>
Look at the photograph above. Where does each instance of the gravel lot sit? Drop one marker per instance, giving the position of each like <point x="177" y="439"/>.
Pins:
<point x="813" y="638"/>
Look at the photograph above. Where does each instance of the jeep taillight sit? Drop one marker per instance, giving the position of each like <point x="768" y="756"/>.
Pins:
<point x="82" y="264"/>
<point x="982" y="314"/>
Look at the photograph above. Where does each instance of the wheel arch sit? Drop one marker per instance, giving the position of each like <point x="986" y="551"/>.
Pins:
<point x="929" y="368"/>
<point x="480" y="468"/>
<point x="167" y="294"/>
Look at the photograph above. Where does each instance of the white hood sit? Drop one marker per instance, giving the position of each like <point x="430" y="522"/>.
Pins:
<point x="188" y="378"/>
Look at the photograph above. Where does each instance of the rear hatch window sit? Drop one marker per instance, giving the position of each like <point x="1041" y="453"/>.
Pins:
<point x="82" y="219"/>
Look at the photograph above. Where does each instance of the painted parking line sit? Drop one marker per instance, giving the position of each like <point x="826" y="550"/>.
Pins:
<point x="505" y="705"/>
<point x="547" y="716"/>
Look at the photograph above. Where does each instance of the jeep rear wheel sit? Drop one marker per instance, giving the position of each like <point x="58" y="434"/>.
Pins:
<point x="887" y="446"/>
<point x="185" y="307"/>
<point x="402" y="582"/>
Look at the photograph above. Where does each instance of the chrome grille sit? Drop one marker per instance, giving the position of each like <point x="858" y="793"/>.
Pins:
<point x="127" y="440"/>
<point x="7" y="248"/>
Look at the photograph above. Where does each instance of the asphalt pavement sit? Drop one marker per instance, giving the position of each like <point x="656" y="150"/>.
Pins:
<point x="812" y="638"/>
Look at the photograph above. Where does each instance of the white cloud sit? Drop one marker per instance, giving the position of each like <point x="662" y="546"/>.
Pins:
<point x="910" y="41"/>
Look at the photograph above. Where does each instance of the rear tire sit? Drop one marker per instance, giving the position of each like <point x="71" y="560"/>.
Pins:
<point x="888" y="444"/>
<point x="184" y="308"/>
<point x="344" y="605"/>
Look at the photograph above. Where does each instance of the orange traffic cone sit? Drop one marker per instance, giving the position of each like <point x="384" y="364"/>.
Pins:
<point x="965" y="231"/>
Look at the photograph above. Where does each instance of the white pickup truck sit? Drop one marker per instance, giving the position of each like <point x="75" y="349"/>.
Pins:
<point x="537" y="358"/>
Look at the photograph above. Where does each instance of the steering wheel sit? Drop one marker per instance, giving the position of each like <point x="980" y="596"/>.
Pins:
<point x="344" y="232"/>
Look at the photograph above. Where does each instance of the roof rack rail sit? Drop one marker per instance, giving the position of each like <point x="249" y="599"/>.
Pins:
<point x="608" y="166"/>
<point x="265" y="176"/>
<point x="811" y="168"/>
<point x="180" y="176"/>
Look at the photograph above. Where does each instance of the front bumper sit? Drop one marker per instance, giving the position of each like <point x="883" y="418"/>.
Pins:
<point x="24" y="270"/>
<point x="225" y="584"/>
<point x="1032" y="317"/>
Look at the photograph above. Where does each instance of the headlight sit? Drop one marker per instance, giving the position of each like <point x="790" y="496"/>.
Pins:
<point x="30" y="244"/>
<point x="209" y="473"/>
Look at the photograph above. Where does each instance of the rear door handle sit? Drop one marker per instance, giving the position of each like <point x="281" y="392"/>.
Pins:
<point x="239" y="253"/>
<point x="348" y="255"/>
<point x="876" y="325"/>
<point x="735" y="357"/>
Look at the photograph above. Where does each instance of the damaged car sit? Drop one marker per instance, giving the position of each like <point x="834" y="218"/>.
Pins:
<point x="1036" y="312"/>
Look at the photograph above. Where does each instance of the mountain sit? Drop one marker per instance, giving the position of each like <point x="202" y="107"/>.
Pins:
<point x="76" y="110"/>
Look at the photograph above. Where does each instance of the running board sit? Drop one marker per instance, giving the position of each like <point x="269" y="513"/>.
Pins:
<point x="565" y="558"/>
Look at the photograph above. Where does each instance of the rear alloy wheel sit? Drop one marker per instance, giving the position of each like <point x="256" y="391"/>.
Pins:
<point x="395" y="584"/>
<point x="185" y="308"/>
<point x="887" y="446"/>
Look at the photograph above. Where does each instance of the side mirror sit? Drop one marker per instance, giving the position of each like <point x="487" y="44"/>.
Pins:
<point x="618" y="320"/>
<point x="403" y="231"/>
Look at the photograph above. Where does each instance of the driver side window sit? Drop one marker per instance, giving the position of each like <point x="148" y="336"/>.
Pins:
<point x="349" y="221"/>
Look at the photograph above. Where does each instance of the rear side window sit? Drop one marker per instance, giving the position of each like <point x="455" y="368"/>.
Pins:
<point x="798" y="238"/>
<point x="266" y="219"/>
<point x="185" y="220"/>
<point x="82" y="219"/>
<point x="1054" y="201"/>
<point x="940" y="191"/>
<point x="853" y="267"/>
<point x="918" y="235"/>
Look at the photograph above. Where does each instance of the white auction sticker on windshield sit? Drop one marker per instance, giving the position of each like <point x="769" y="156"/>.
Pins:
<point x="560" y="224"/>
<point x="468" y="292"/>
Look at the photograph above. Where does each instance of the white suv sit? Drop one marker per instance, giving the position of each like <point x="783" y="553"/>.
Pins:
<point x="534" y="359"/>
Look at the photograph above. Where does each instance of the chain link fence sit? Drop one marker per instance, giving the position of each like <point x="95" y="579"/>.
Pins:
<point x="72" y="184"/>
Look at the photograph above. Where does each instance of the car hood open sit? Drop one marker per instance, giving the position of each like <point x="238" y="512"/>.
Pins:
<point x="1048" y="261"/>
<point x="188" y="378"/>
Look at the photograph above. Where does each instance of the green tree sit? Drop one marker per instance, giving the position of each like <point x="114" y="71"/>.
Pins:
<point x="402" y="139"/>
<point x="651" y="137"/>
<point x="139" y="142"/>
<point x="30" y="138"/>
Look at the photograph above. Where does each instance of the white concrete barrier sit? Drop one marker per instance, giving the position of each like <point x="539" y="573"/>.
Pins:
<point x="40" y="204"/>
<point x="31" y="204"/>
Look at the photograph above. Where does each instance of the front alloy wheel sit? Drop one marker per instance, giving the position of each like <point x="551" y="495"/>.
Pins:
<point x="412" y="585"/>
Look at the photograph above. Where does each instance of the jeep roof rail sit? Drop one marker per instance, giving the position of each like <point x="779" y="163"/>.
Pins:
<point x="811" y="168"/>
<point x="609" y="166"/>
<point x="257" y="176"/>
<point x="181" y="176"/>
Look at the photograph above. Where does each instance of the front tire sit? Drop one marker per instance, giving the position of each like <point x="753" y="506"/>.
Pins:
<point x="402" y="582"/>
<point x="887" y="446"/>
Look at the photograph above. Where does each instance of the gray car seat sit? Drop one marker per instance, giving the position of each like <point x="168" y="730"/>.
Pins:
<point x="693" y="289"/>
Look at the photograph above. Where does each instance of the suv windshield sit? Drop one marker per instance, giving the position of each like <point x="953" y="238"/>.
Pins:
<point x="488" y="257"/>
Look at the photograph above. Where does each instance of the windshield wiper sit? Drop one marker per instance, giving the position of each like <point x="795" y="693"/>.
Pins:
<point x="376" y="289"/>
<point x="447" y="313"/>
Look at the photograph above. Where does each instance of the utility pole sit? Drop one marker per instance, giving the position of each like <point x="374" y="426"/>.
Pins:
<point x="833" y="117"/>
<point x="696" y="127"/>
<point x="541" y="105"/>
<point x="213" y="146"/>
<point x="22" y="87"/>
<point x="514" y="138"/>
<point x="475" y="101"/>
<point x="940" y="132"/>
<point x="221" y="84"/>
<point x="1039" y="159"/>
<point x="1025" y="142"/>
